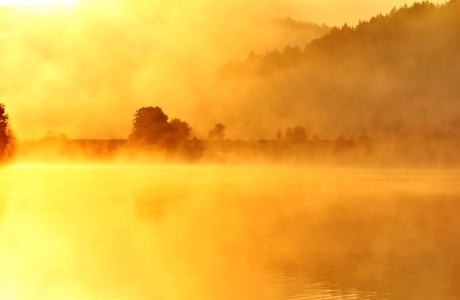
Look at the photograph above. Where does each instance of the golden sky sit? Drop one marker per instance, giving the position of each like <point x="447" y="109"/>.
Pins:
<point x="107" y="58"/>
<point x="337" y="12"/>
<point x="332" y="12"/>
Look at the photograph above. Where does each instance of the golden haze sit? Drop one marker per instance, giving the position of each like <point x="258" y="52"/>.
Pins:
<point x="311" y="218"/>
<point x="84" y="69"/>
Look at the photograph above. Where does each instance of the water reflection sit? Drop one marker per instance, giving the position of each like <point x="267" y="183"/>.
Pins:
<point x="228" y="233"/>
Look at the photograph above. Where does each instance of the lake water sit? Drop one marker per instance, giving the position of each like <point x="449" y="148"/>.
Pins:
<point x="127" y="232"/>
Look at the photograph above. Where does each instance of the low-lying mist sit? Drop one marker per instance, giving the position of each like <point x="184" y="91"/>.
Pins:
<point x="437" y="152"/>
<point x="225" y="232"/>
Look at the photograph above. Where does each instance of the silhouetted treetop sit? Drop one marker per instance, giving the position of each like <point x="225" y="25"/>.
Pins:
<point x="151" y="126"/>
<point x="218" y="132"/>
<point x="299" y="134"/>
<point x="279" y="135"/>
<point x="5" y="137"/>
<point x="181" y="128"/>
<point x="296" y="134"/>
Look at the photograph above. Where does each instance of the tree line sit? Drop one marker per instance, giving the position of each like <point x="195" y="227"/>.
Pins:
<point x="394" y="75"/>
<point x="6" y="135"/>
<point x="379" y="36"/>
<point x="151" y="126"/>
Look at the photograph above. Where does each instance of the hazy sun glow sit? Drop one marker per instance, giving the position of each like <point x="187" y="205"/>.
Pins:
<point x="35" y="2"/>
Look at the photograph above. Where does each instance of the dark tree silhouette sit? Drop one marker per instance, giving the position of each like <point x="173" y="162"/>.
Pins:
<point x="279" y="135"/>
<point x="151" y="126"/>
<point x="296" y="134"/>
<point x="218" y="132"/>
<point x="4" y="132"/>
<point x="182" y="129"/>
<point x="299" y="134"/>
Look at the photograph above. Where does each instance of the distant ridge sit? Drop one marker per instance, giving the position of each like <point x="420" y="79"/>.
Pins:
<point x="395" y="74"/>
<point x="299" y="25"/>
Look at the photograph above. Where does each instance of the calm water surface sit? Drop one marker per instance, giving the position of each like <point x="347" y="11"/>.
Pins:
<point x="228" y="233"/>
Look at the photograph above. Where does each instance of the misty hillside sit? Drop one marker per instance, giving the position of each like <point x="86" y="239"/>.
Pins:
<point x="297" y="33"/>
<point x="396" y="74"/>
<point x="108" y="58"/>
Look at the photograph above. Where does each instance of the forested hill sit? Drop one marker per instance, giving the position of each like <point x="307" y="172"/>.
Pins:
<point x="410" y="32"/>
<point x="397" y="73"/>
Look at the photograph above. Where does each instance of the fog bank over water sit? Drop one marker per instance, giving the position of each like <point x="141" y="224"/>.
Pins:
<point x="228" y="233"/>
<point x="269" y="157"/>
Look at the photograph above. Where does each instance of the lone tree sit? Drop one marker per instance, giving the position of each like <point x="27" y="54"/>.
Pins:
<point x="151" y="126"/>
<point x="218" y="132"/>
<point x="4" y="132"/>
<point x="299" y="134"/>
<point x="296" y="134"/>
<point x="279" y="135"/>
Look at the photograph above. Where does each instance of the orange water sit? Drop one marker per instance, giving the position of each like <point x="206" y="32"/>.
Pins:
<point x="131" y="232"/>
